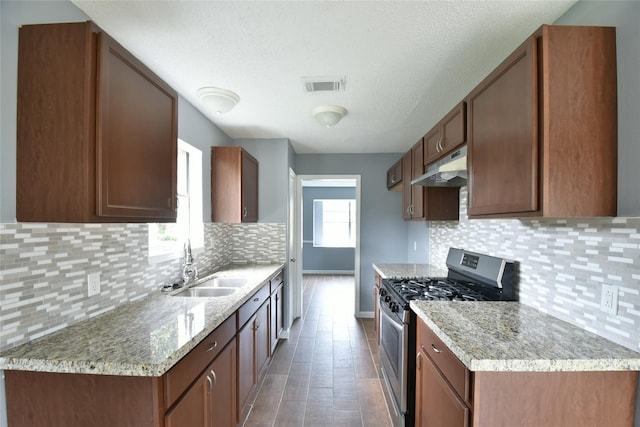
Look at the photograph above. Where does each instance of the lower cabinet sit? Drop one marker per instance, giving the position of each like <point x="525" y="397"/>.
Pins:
<point x="254" y="350"/>
<point x="210" y="401"/>
<point x="276" y="319"/>
<point x="212" y="386"/>
<point x="448" y="394"/>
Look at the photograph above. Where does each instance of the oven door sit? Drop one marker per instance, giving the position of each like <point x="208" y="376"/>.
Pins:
<point x="393" y="356"/>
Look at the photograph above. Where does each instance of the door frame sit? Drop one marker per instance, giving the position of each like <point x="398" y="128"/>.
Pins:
<point x="297" y="280"/>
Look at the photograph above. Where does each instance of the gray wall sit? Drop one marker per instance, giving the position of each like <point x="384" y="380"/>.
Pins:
<point x="383" y="233"/>
<point x="273" y="176"/>
<point x="323" y="259"/>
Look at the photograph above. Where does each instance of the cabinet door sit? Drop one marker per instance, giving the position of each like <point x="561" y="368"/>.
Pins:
<point x="394" y="175"/>
<point x="436" y="402"/>
<point x="454" y="128"/>
<point x="276" y="320"/>
<point x="194" y="407"/>
<point x="245" y="368"/>
<point x="406" y="186"/>
<point x="223" y="393"/>
<point x="262" y="341"/>
<point x="249" y="188"/>
<point x="417" y="191"/>
<point x="432" y="149"/>
<point x="503" y="137"/>
<point x="137" y="138"/>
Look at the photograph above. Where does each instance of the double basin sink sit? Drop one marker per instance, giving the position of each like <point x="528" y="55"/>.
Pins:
<point x="214" y="287"/>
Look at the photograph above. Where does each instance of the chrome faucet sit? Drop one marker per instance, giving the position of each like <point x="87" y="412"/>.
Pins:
<point x="189" y="271"/>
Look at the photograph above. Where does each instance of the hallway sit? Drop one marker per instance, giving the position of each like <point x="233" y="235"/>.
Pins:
<point x="324" y="374"/>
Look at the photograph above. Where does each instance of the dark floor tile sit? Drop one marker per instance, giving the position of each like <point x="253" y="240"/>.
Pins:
<point x="265" y="407"/>
<point x="296" y="389"/>
<point x="290" y="414"/>
<point x="346" y="418"/>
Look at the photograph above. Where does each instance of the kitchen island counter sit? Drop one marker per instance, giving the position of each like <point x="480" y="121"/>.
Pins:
<point x="142" y="338"/>
<point x="509" y="336"/>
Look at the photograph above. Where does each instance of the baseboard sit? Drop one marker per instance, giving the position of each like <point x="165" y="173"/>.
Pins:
<point x="365" y="315"/>
<point x="346" y="272"/>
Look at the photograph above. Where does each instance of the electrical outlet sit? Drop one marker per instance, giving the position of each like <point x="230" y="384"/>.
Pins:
<point x="93" y="284"/>
<point x="609" y="300"/>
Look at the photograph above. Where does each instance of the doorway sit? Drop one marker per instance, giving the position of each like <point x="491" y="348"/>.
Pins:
<point x="300" y="241"/>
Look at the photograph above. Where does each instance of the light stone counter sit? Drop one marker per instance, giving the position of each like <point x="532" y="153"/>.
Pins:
<point x="401" y="271"/>
<point x="509" y="336"/>
<point x="144" y="338"/>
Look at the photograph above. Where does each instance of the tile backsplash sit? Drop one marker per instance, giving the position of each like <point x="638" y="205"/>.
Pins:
<point x="44" y="267"/>
<point x="563" y="264"/>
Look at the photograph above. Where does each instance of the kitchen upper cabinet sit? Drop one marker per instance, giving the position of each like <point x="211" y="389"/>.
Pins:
<point x="413" y="195"/>
<point x="430" y="203"/>
<point x="96" y="130"/>
<point x="394" y="176"/>
<point x="542" y="128"/>
<point x="234" y="185"/>
<point x="449" y="134"/>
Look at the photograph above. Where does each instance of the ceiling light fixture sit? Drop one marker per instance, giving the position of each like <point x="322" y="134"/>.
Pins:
<point x="218" y="100"/>
<point x="329" y="115"/>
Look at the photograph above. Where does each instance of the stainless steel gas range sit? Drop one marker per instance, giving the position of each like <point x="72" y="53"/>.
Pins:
<point x="470" y="277"/>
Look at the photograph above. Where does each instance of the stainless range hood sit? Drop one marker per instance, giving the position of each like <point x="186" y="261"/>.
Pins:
<point x="448" y="172"/>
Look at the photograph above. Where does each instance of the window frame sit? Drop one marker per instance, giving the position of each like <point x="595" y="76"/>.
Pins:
<point x="318" y="241"/>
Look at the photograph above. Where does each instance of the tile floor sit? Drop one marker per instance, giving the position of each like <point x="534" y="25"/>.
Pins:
<point x="325" y="374"/>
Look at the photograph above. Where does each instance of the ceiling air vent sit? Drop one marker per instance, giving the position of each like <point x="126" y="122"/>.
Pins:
<point x="324" y="83"/>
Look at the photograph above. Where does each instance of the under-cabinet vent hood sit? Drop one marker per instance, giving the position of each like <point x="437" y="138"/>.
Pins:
<point x="448" y="172"/>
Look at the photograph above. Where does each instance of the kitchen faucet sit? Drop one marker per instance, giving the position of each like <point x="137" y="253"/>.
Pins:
<point x="189" y="271"/>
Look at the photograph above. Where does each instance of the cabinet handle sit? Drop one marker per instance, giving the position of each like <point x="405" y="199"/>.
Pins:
<point x="213" y="375"/>
<point x="256" y="299"/>
<point x="418" y="361"/>
<point x="210" y="383"/>
<point x="212" y="346"/>
<point x="434" y="348"/>
<point x="244" y="212"/>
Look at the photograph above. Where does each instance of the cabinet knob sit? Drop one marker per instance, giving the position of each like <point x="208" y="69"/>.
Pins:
<point x="434" y="348"/>
<point x="214" y="378"/>
<point x="244" y="212"/>
<point x="212" y="346"/>
<point x="210" y="381"/>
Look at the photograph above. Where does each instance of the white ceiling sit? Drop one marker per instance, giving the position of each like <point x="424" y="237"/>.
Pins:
<point x="407" y="63"/>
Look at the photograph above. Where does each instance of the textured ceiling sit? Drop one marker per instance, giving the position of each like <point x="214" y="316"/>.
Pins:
<point x="406" y="63"/>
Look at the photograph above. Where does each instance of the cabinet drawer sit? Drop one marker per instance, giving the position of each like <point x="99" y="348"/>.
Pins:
<point x="249" y="308"/>
<point x="276" y="281"/>
<point x="187" y="370"/>
<point x="454" y="371"/>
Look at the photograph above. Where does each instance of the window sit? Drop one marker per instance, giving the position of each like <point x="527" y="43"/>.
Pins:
<point x="167" y="240"/>
<point x="334" y="223"/>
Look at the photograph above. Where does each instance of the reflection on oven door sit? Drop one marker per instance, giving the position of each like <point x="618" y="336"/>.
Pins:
<point x="393" y="337"/>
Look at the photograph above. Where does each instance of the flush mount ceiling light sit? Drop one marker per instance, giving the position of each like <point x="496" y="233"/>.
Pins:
<point x="218" y="100"/>
<point x="329" y="115"/>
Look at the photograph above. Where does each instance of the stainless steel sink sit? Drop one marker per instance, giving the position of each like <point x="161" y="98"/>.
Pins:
<point x="223" y="282"/>
<point x="207" y="292"/>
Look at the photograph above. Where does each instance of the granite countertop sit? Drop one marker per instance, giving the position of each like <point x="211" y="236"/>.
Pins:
<point x="143" y="338"/>
<point x="509" y="336"/>
<point x="400" y="271"/>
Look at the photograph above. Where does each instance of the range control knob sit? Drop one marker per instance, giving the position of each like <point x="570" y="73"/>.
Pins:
<point x="394" y="307"/>
<point x="383" y="292"/>
<point x="387" y="298"/>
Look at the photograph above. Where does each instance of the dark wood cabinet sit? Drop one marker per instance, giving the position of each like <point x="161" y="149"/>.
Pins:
<point x="542" y="128"/>
<point x="448" y="394"/>
<point x="210" y="401"/>
<point x="96" y="130"/>
<point x="394" y="175"/>
<point x="234" y="185"/>
<point x="254" y="345"/>
<point x="426" y="203"/>
<point x="276" y="318"/>
<point x="447" y="135"/>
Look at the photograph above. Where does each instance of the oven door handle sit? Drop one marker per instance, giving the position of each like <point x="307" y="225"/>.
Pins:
<point x="385" y="310"/>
